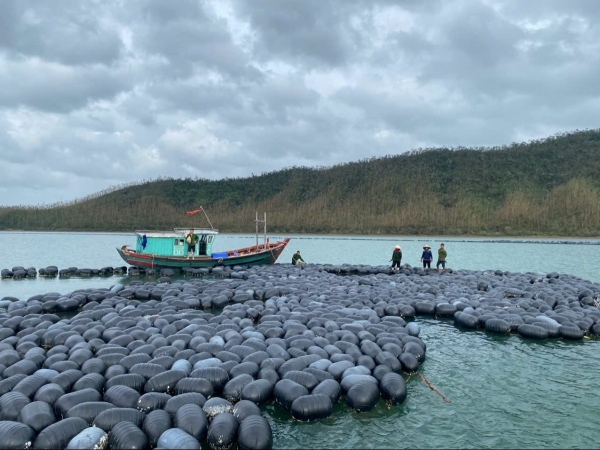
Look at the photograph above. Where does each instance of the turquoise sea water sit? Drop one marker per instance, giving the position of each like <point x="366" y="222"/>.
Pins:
<point x="505" y="392"/>
<point x="96" y="250"/>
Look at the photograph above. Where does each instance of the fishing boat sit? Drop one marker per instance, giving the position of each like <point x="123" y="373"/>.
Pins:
<point x="157" y="249"/>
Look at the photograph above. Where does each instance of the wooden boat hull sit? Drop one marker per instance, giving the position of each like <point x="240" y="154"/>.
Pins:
<point x="249" y="256"/>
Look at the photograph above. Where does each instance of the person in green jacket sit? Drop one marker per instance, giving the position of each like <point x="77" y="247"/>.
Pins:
<point x="192" y="239"/>
<point x="297" y="259"/>
<point x="441" y="258"/>
<point x="396" y="258"/>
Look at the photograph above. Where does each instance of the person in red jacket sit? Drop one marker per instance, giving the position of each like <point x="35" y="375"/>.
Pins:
<point x="396" y="258"/>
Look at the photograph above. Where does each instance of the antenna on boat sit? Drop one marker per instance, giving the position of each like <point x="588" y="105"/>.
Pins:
<point x="196" y="211"/>
<point x="205" y="215"/>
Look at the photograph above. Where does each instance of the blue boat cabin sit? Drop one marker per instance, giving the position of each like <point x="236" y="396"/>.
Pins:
<point x="174" y="243"/>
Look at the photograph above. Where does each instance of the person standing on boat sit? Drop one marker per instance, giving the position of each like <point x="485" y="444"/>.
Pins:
<point x="427" y="257"/>
<point x="297" y="259"/>
<point x="396" y="257"/>
<point x="442" y="253"/>
<point x="192" y="240"/>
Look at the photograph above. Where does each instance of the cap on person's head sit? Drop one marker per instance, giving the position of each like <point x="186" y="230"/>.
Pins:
<point x="427" y="246"/>
<point x="397" y="246"/>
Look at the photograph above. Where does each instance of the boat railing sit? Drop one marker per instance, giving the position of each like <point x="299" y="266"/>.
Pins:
<point x="196" y="230"/>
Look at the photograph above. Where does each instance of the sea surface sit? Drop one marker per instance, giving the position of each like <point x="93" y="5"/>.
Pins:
<point x="505" y="392"/>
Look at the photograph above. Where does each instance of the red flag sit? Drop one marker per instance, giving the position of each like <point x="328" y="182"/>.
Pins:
<point x="196" y="211"/>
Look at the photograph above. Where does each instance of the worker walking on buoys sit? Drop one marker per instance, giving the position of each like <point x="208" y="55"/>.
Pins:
<point x="192" y="239"/>
<point x="442" y="254"/>
<point x="396" y="258"/>
<point x="297" y="259"/>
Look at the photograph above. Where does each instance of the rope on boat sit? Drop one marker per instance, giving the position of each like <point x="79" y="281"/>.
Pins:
<point x="433" y="388"/>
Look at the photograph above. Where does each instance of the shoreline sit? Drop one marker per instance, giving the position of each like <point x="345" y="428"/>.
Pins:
<point x="415" y="237"/>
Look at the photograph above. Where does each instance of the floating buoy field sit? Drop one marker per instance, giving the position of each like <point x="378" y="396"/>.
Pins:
<point x="185" y="360"/>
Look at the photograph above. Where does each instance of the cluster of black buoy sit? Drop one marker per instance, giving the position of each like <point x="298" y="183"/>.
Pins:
<point x="19" y="272"/>
<point x="532" y="305"/>
<point x="147" y="372"/>
<point x="106" y="377"/>
<point x="406" y="269"/>
<point x="174" y="365"/>
<point x="217" y="270"/>
<point x="134" y="271"/>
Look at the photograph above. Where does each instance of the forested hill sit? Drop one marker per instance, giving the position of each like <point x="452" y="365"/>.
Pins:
<point x="544" y="187"/>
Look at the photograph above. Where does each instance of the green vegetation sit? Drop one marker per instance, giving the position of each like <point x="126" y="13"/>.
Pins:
<point x="544" y="187"/>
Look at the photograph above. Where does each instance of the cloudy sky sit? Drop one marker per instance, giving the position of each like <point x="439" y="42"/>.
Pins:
<point x="99" y="93"/>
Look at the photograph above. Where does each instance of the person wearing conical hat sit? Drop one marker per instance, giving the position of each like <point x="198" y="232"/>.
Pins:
<point x="427" y="257"/>
<point x="396" y="258"/>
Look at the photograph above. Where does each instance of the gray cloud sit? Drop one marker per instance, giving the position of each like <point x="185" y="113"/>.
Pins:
<point x="109" y="92"/>
<point x="190" y="38"/>
<point x="62" y="32"/>
<point x="307" y="32"/>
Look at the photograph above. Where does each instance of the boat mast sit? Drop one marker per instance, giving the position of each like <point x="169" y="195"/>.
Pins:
<point x="265" y="226"/>
<point x="256" y="222"/>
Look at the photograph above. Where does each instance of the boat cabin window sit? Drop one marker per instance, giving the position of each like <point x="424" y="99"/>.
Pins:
<point x="179" y="242"/>
<point x="210" y="239"/>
